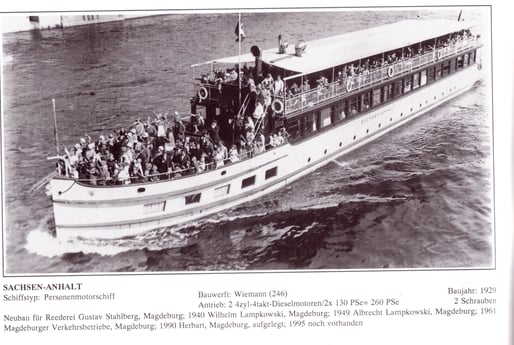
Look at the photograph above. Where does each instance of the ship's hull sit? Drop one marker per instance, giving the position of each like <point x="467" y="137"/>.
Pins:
<point x="120" y="211"/>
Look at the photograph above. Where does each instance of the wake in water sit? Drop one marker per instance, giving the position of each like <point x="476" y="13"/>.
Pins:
<point x="42" y="242"/>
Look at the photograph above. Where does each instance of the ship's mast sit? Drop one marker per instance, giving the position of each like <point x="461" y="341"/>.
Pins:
<point x="239" y="58"/>
<point x="56" y="135"/>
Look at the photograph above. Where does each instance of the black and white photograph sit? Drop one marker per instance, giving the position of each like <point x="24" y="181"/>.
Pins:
<point x="351" y="139"/>
<point x="256" y="172"/>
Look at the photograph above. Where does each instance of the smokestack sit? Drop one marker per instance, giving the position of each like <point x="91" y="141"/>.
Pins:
<point x="256" y="51"/>
<point x="282" y="45"/>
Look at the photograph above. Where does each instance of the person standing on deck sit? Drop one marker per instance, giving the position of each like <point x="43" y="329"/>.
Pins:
<point x="278" y="87"/>
<point x="259" y="111"/>
<point x="140" y="127"/>
<point x="179" y="130"/>
<point x="150" y="128"/>
<point x="214" y="132"/>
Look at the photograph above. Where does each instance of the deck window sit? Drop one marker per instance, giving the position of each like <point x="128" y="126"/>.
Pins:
<point x="270" y="173"/>
<point x="452" y="65"/>
<point x="460" y="62"/>
<point x="340" y="111"/>
<point x="446" y="68"/>
<point x="438" y="71"/>
<point x="247" y="182"/>
<point x="472" y="57"/>
<point x="154" y="207"/>
<point x="365" y="100"/>
<point x="294" y="129"/>
<point x="423" y="80"/>
<point x="377" y="97"/>
<point x="193" y="198"/>
<point x="388" y="92"/>
<point x="221" y="191"/>
<point x="309" y="124"/>
<point x="326" y="117"/>
<point x="430" y="74"/>
<point x="353" y="105"/>
<point x="407" y="84"/>
<point x="397" y="88"/>
<point x="415" y="81"/>
<point x="466" y="59"/>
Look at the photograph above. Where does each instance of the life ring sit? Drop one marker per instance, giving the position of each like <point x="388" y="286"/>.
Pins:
<point x="349" y="85"/>
<point x="203" y="93"/>
<point x="439" y="54"/>
<point x="390" y="71"/>
<point x="277" y="106"/>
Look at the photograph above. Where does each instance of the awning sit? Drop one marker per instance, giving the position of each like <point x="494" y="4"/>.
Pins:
<point x="337" y="50"/>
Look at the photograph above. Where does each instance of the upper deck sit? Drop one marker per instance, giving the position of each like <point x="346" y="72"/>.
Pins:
<point x="337" y="50"/>
<point x="359" y="81"/>
<point x="365" y="52"/>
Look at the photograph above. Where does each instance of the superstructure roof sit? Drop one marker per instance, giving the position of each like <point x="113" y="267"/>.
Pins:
<point x="336" y="50"/>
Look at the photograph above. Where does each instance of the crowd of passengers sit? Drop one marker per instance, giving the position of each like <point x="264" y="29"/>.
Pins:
<point x="159" y="149"/>
<point x="269" y="86"/>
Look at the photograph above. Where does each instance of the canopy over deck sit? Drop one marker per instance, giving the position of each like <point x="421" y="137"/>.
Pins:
<point x="336" y="50"/>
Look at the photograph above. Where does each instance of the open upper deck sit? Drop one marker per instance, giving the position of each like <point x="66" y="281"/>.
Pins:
<point x="328" y="52"/>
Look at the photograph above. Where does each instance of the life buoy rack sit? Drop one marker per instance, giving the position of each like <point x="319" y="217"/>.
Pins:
<point x="277" y="106"/>
<point x="203" y="93"/>
<point x="390" y="71"/>
<point x="439" y="54"/>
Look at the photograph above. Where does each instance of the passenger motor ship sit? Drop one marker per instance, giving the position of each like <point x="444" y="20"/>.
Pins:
<point x="369" y="82"/>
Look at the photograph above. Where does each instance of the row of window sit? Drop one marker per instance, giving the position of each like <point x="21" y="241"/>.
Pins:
<point x="90" y="17"/>
<point x="224" y="190"/>
<point x="309" y="123"/>
<point x="218" y="192"/>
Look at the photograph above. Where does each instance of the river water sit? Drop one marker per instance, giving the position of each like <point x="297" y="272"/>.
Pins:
<point x="420" y="197"/>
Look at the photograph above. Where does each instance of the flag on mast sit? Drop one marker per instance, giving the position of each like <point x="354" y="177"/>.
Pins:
<point x="239" y="32"/>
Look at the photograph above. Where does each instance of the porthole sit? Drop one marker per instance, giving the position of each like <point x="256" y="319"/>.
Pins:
<point x="426" y="102"/>
<point x="308" y="160"/>
<point x="420" y="105"/>
<point x="325" y="152"/>
<point x="379" y="125"/>
<point x="401" y="115"/>
<point x="411" y="110"/>
<point x="390" y="119"/>
<point x="340" y="144"/>
<point x="223" y="172"/>
<point x="367" y="131"/>
<point x="354" y="137"/>
<point x="141" y="189"/>
<point x="435" y="97"/>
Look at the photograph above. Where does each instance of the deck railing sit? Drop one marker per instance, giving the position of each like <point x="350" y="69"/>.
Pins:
<point x="346" y="85"/>
<point x="211" y="91"/>
<point x="169" y="175"/>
